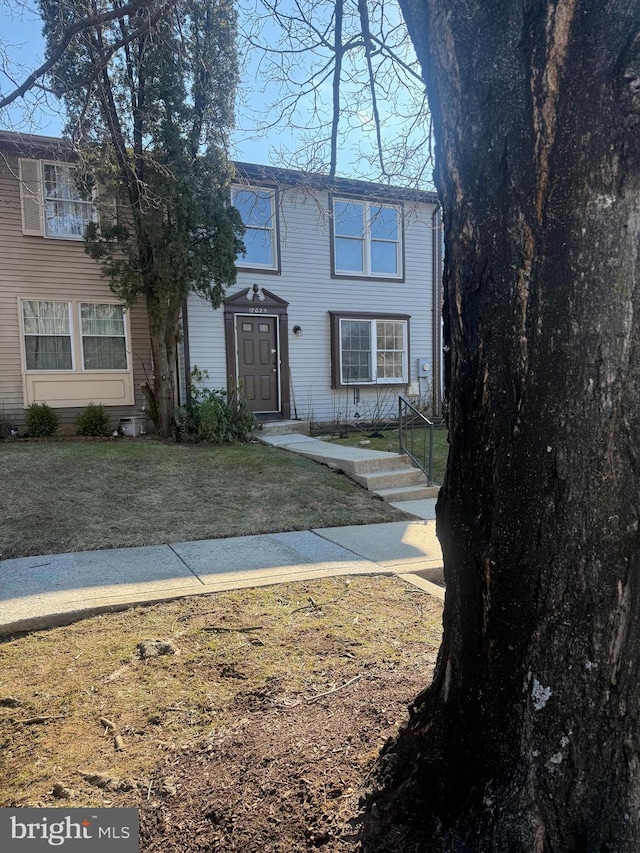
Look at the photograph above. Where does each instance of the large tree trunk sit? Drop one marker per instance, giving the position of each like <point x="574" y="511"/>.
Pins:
<point x="529" y="737"/>
<point x="164" y="320"/>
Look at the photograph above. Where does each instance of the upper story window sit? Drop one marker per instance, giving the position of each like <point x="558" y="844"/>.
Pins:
<point x="52" y="201"/>
<point x="67" y="209"/>
<point x="257" y="207"/>
<point x="367" y="239"/>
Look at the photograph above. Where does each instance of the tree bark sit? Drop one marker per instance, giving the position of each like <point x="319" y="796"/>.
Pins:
<point x="529" y="737"/>
<point x="164" y="320"/>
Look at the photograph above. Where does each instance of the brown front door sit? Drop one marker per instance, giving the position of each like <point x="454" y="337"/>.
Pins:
<point x="258" y="362"/>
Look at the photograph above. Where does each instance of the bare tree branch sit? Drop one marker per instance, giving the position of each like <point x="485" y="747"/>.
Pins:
<point x="366" y="32"/>
<point x="337" y="72"/>
<point x="372" y="114"/>
<point x="73" y="30"/>
<point x="393" y="55"/>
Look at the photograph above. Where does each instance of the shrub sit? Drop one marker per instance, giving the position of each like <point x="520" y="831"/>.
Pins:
<point x="40" y="420"/>
<point x="93" y="421"/>
<point x="213" y="416"/>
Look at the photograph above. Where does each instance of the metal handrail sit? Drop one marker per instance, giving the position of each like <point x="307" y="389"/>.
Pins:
<point x="408" y="418"/>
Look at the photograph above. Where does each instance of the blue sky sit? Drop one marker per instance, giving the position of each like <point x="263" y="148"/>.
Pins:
<point x="23" y="36"/>
<point x="21" y="33"/>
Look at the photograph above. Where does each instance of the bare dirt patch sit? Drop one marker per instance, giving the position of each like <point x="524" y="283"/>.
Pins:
<point x="253" y="728"/>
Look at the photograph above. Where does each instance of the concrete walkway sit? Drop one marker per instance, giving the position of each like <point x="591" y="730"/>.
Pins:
<point x="39" y="592"/>
<point x="361" y="465"/>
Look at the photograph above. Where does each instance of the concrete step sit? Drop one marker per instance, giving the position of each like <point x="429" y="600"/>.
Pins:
<point x="282" y="428"/>
<point x="388" y="462"/>
<point x="392" y="479"/>
<point x="391" y="476"/>
<point x="408" y="493"/>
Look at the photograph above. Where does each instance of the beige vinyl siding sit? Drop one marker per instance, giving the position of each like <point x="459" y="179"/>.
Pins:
<point x="33" y="267"/>
<point x="305" y="282"/>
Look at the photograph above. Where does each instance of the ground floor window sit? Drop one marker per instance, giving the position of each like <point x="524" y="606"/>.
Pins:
<point x="369" y="350"/>
<point x="51" y="329"/>
<point x="47" y="335"/>
<point x="104" y="345"/>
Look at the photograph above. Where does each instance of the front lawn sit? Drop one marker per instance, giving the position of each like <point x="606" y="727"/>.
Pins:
<point x="60" y="496"/>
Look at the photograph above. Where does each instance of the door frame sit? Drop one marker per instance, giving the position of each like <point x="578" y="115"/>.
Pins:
<point x="238" y="316"/>
<point x="254" y="301"/>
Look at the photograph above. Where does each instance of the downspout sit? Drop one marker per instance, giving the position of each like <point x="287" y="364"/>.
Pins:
<point x="293" y="396"/>
<point x="436" y="233"/>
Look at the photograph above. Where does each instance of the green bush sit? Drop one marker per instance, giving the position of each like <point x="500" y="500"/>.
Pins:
<point x="93" y="421"/>
<point x="40" y="420"/>
<point x="213" y="416"/>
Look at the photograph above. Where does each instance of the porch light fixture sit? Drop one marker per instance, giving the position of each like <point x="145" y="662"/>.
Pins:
<point x="255" y="293"/>
<point x="297" y="331"/>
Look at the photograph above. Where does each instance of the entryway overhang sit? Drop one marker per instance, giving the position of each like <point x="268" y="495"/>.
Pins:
<point x="255" y="302"/>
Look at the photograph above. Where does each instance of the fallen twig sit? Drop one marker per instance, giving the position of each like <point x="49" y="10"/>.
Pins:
<point x="220" y="629"/>
<point x="107" y="723"/>
<point x="333" y="690"/>
<point x="314" y="605"/>
<point x="186" y="616"/>
<point x="29" y="721"/>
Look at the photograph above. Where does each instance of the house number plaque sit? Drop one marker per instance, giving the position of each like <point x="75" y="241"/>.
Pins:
<point x="257" y="310"/>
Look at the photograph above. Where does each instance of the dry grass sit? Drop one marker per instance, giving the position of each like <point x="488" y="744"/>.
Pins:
<point x="309" y="638"/>
<point x="60" y="496"/>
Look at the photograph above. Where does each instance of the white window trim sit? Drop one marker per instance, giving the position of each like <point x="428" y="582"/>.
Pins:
<point x="242" y="262"/>
<point x="75" y="333"/>
<point x="375" y="380"/>
<point x="24" y="335"/>
<point x="43" y="185"/>
<point x="84" y="369"/>
<point x="366" y="240"/>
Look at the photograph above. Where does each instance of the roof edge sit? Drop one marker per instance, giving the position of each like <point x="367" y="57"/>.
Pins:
<point x="314" y="180"/>
<point x="31" y="143"/>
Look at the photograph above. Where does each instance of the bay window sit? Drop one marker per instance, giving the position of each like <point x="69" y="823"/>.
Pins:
<point x="369" y="350"/>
